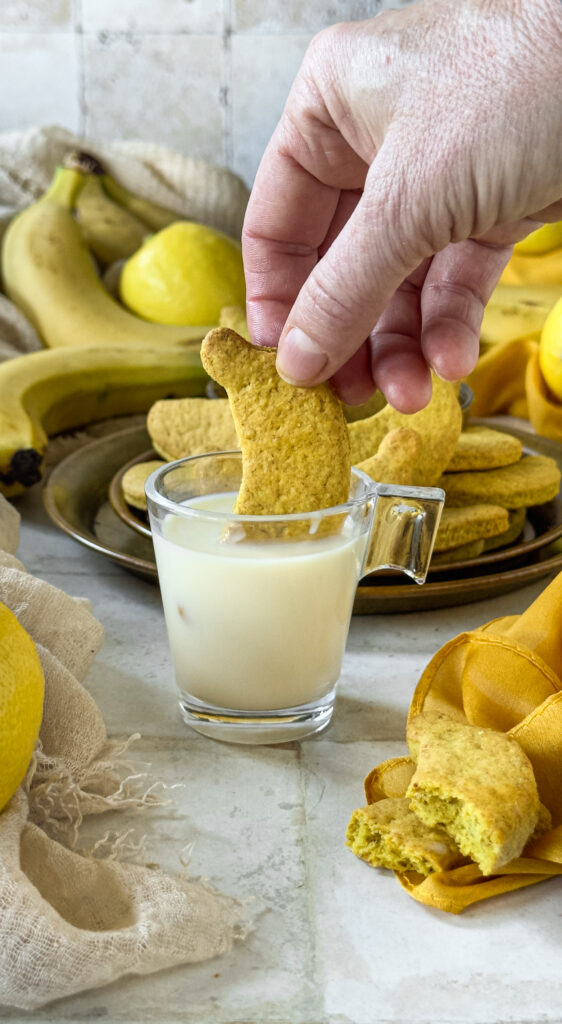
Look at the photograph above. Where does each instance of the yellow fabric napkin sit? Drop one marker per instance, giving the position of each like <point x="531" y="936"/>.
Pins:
<point x="508" y="379"/>
<point x="507" y="675"/>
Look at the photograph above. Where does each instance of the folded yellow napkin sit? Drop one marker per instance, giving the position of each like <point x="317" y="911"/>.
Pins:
<point x="507" y="675"/>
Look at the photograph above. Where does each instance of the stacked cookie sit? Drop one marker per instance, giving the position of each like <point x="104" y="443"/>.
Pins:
<point x="488" y="480"/>
<point x="489" y="484"/>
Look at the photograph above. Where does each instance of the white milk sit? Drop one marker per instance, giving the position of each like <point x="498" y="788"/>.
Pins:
<point x="254" y="626"/>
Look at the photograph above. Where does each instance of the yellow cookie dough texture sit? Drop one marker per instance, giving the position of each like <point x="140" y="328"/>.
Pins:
<point x="531" y="481"/>
<point x="517" y="517"/>
<point x="178" y="427"/>
<point x="133" y="481"/>
<point x="295" y="445"/>
<point x="438" y="425"/>
<point x="458" y="554"/>
<point x="483" y="448"/>
<point x="461" y="526"/>
<point x="477" y="783"/>
<point x="389" y="835"/>
<point x="395" y="460"/>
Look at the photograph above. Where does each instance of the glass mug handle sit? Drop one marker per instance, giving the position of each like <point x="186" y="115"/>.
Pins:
<point x="405" y="524"/>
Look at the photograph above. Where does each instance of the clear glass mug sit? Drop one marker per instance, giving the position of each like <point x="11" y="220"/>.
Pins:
<point x="257" y="608"/>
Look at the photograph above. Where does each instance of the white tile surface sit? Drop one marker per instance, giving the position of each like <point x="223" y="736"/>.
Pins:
<point x="161" y="88"/>
<point x="263" y="70"/>
<point x="35" y="14"/>
<point x="148" y="16"/>
<point x="295" y="16"/>
<point x="334" y="941"/>
<point x="38" y="80"/>
<point x="386" y="958"/>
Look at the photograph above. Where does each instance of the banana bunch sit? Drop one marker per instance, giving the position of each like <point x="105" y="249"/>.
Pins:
<point x="49" y="274"/>
<point x="517" y="311"/>
<point x="537" y="259"/>
<point x="114" y="221"/>
<point x="109" y="230"/>
<point x="43" y="393"/>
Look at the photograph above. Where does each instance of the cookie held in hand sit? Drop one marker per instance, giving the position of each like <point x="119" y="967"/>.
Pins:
<point x="295" y="444"/>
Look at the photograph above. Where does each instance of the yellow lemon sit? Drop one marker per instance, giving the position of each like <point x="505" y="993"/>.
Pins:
<point x="22" y="688"/>
<point x="544" y="239"/>
<point x="550" y="350"/>
<point x="183" y="275"/>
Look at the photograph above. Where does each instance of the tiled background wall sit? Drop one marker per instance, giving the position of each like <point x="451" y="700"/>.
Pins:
<point x="206" y="77"/>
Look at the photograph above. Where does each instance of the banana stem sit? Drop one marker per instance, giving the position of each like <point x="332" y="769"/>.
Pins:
<point x="65" y="187"/>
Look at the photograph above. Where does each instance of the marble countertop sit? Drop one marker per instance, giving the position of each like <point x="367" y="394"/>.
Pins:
<point x="334" y="941"/>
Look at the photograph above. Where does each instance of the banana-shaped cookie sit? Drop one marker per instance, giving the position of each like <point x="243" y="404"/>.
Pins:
<point x="295" y="445"/>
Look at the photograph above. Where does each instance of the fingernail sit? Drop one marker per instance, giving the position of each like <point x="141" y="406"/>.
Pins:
<point x="300" y="359"/>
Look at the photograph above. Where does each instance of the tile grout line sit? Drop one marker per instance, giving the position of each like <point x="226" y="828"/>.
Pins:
<point x="312" y="972"/>
<point x="79" y="44"/>
<point x="228" y="139"/>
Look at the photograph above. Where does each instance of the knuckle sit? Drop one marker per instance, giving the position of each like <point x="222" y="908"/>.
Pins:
<point x="328" y="302"/>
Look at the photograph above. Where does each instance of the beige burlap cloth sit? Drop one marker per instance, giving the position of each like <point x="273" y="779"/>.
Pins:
<point x="75" y="920"/>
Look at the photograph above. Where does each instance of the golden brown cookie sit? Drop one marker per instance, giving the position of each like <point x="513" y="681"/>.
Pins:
<point x="516" y="524"/>
<point x="531" y="481"/>
<point x="396" y="458"/>
<point x="133" y="481"/>
<point x="389" y="835"/>
<point x="483" y="448"/>
<point x="295" y="445"/>
<point x="439" y="426"/>
<point x="477" y="783"/>
<point x="458" y="554"/>
<point x="190" y="426"/>
<point x="473" y="522"/>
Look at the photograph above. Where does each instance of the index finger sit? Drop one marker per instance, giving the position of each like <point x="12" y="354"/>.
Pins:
<point x="286" y="221"/>
<point x="295" y="209"/>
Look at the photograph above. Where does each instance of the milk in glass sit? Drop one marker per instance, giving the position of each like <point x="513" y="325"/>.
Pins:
<point x="255" y="625"/>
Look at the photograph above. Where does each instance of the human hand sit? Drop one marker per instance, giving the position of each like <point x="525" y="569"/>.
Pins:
<point x="415" y="148"/>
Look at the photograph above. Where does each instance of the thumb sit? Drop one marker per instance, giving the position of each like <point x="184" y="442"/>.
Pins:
<point x="343" y="297"/>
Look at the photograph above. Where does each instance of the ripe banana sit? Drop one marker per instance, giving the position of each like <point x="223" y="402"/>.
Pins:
<point x="517" y="311"/>
<point x="112" y="277"/>
<point x="48" y="273"/>
<point x="155" y="216"/>
<point x="42" y="393"/>
<point x="110" y="231"/>
<point x="544" y="268"/>
<point x="544" y="239"/>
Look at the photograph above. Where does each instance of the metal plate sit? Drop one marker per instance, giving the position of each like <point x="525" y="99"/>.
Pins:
<point x="76" y="498"/>
<point x="543" y="523"/>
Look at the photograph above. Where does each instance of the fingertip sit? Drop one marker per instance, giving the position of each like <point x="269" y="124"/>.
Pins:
<point x="405" y="381"/>
<point x="450" y="347"/>
<point x="300" y="360"/>
<point x="265" y="322"/>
